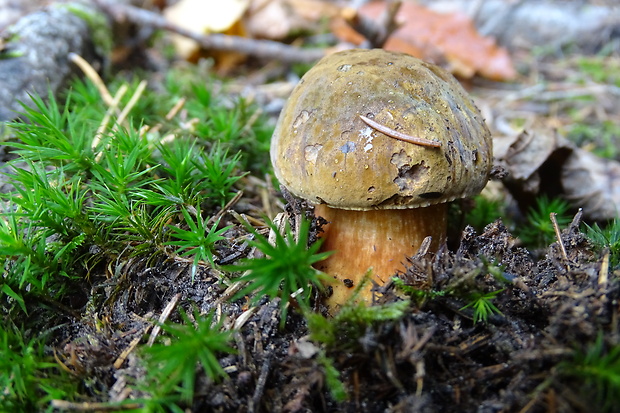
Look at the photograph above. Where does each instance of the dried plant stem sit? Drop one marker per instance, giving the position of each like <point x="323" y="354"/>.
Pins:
<point x="112" y="108"/>
<point x="163" y="317"/>
<point x="377" y="32"/>
<point x="111" y="101"/>
<point x="176" y="108"/>
<point x="399" y="135"/>
<point x="118" y="363"/>
<point x="603" y="274"/>
<point x="558" y="235"/>
<point x="88" y="406"/>
<point x="132" y="102"/>
<point x="92" y="74"/>
<point x="225" y="209"/>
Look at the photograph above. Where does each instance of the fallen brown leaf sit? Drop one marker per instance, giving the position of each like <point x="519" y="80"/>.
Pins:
<point x="276" y="19"/>
<point x="450" y="39"/>
<point x="204" y="16"/>
<point x="545" y="163"/>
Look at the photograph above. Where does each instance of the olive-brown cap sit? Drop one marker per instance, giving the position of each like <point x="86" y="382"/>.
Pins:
<point x="324" y="152"/>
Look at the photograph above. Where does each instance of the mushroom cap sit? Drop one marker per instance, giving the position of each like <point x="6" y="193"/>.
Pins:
<point x="323" y="152"/>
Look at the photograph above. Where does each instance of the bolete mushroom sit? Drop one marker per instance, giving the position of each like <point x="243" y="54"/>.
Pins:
<point x="380" y="142"/>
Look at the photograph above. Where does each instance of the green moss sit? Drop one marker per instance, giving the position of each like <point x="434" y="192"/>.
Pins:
<point x="98" y="24"/>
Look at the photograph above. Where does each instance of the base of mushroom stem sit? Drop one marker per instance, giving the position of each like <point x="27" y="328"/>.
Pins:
<point x="380" y="240"/>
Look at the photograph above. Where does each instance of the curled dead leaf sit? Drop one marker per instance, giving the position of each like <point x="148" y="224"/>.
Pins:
<point x="276" y="19"/>
<point x="584" y="25"/>
<point x="204" y="16"/>
<point x="545" y="163"/>
<point x="593" y="183"/>
<point x="450" y="39"/>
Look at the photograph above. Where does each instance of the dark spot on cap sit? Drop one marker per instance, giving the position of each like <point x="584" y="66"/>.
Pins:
<point x="409" y="175"/>
<point x="343" y="68"/>
<point x="394" y="200"/>
<point x="348" y="283"/>
<point x="431" y="195"/>
<point x="348" y="147"/>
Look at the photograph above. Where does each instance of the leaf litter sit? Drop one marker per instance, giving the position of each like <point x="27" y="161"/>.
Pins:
<point x="434" y="357"/>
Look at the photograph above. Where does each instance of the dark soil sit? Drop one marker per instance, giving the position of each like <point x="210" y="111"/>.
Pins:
<point x="433" y="359"/>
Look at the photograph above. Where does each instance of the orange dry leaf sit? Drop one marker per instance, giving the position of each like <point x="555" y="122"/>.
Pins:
<point x="276" y="19"/>
<point x="449" y="39"/>
<point x="208" y="16"/>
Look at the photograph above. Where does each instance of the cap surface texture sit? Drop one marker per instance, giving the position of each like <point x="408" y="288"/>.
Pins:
<point x="324" y="152"/>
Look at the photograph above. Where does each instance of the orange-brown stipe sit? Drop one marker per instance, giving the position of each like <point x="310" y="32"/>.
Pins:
<point x="381" y="239"/>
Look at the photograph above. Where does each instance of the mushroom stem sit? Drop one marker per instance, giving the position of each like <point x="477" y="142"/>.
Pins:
<point x="377" y="239"/>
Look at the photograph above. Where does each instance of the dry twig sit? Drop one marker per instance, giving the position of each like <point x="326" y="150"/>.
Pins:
<point x="163" y="317"/>
<point x="376" y="32"/>
<point x="259" y="48"/>
<point x="558" y="236"/>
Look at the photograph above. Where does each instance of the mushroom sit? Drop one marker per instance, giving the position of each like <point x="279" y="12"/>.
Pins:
<point x="380" y="142"/>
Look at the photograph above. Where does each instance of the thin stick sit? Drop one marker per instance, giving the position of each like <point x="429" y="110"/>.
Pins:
<point x="377" y="32"/>
<point x="92" y="74"/>
<point x="132" y="102"/>
<point x="399" y="135"/>
<point x="558" y="235"/>
<point x="113" y="107"/>
<point x="603" y="274"/>
<point x="226" y="207"/>
<point x="163" y="317"/>
<point x="125" y="353"/>
<point x="88" y="406"/>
